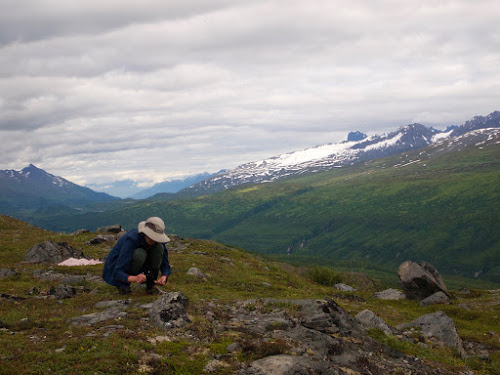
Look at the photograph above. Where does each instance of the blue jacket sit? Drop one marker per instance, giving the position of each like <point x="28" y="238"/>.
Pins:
<point x="120" y="257"/>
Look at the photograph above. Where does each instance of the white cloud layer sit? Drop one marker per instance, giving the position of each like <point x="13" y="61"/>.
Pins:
<point x="150" y="90"/>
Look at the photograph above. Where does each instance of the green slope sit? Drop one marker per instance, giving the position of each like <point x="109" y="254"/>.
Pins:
<point x="444" y="210"/>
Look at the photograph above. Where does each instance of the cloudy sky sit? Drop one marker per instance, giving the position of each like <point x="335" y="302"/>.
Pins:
<point x="151" y="90"/>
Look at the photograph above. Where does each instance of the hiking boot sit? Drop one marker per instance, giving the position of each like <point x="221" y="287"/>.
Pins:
<point x="150" y="280"/>
<point x="124" y="289"/>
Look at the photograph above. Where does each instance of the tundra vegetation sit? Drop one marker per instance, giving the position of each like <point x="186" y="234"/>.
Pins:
<point x="38" y="338"/>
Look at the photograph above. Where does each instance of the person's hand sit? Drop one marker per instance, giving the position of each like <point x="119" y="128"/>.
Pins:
<point x="162" y="280"/>
<point x="137" y="278"/>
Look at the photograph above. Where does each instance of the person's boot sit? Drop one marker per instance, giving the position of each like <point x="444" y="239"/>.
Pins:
<point x="150" y="281"/>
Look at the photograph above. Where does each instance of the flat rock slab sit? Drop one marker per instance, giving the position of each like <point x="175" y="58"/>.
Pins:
<point x="114" y="312"/>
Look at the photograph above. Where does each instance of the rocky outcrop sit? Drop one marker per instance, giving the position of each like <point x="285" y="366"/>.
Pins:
<point x="169" y="311"/>
<point x="440" y="327"/>
<point x="52" y="252"/>
<point x="312" y="337"/>
<point x="419" y="281"/>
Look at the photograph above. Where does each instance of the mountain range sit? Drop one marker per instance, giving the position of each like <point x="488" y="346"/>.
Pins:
<point x="358" y="148"/>
<point x="416" y="193"/>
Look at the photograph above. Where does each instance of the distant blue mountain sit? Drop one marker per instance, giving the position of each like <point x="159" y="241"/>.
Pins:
<point x="120" y="188"/>
<point x="171" y="186"/>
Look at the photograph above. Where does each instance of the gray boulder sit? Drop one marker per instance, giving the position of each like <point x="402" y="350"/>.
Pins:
<point x="419" y="281"/>
<point x="52" y="252"/>
<point x="370" y="320"/>
<point x="114" y="312"/>
<point x="169" y="311"/>
<point x="438" y="298"/>
<point x="440" y="327"/>
<point x="389" y="294"/>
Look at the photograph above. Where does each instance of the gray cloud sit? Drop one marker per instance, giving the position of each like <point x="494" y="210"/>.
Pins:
<point x="100" y="91"/>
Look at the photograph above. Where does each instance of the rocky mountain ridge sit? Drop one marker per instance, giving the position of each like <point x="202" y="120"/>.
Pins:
<point x="358" y="148"/>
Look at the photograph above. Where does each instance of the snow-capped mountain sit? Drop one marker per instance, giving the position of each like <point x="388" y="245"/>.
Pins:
<point x="357" y="149"/>
<point x="33" y="188"/>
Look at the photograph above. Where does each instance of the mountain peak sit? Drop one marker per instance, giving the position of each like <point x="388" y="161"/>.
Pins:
<point x="356" y="136"/>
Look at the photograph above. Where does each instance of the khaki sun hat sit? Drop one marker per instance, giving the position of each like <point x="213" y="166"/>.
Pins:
<point x="154" y="228"/>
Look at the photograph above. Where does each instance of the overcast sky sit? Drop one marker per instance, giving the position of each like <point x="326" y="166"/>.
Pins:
<point x="151" y="90"/>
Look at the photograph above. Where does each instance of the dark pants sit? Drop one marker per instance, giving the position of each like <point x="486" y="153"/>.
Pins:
<point x="147" y="260"/>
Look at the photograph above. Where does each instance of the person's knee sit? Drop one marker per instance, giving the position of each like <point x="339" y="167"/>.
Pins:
<point x="138" y="261"/>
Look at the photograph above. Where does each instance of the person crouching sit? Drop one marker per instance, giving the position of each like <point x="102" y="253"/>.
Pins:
<point x="138" y="257"/>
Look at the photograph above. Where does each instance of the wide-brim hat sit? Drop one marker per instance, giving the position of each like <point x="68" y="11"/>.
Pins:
<point x="154" y="228"/>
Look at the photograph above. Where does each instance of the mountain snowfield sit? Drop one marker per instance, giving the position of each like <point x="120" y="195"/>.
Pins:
<point x="330" y="156"/>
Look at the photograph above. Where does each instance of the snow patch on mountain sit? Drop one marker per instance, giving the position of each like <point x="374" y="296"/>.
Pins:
<point x="385" y="143"/>
<point x="303" y="156"/>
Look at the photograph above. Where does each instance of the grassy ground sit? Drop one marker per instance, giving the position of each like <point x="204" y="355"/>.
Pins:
<point x="37" y="337"/>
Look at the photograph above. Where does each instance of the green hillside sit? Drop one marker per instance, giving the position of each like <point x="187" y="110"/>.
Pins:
<point x="444" y="210"/>
<point x="38" y="336"/>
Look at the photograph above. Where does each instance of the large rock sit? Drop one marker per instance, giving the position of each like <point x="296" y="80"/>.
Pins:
<point x="440" y="327"/>
<point x="168" y="311"/>
<point x="52" y="252"/>
<point x="419" y="281"/>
